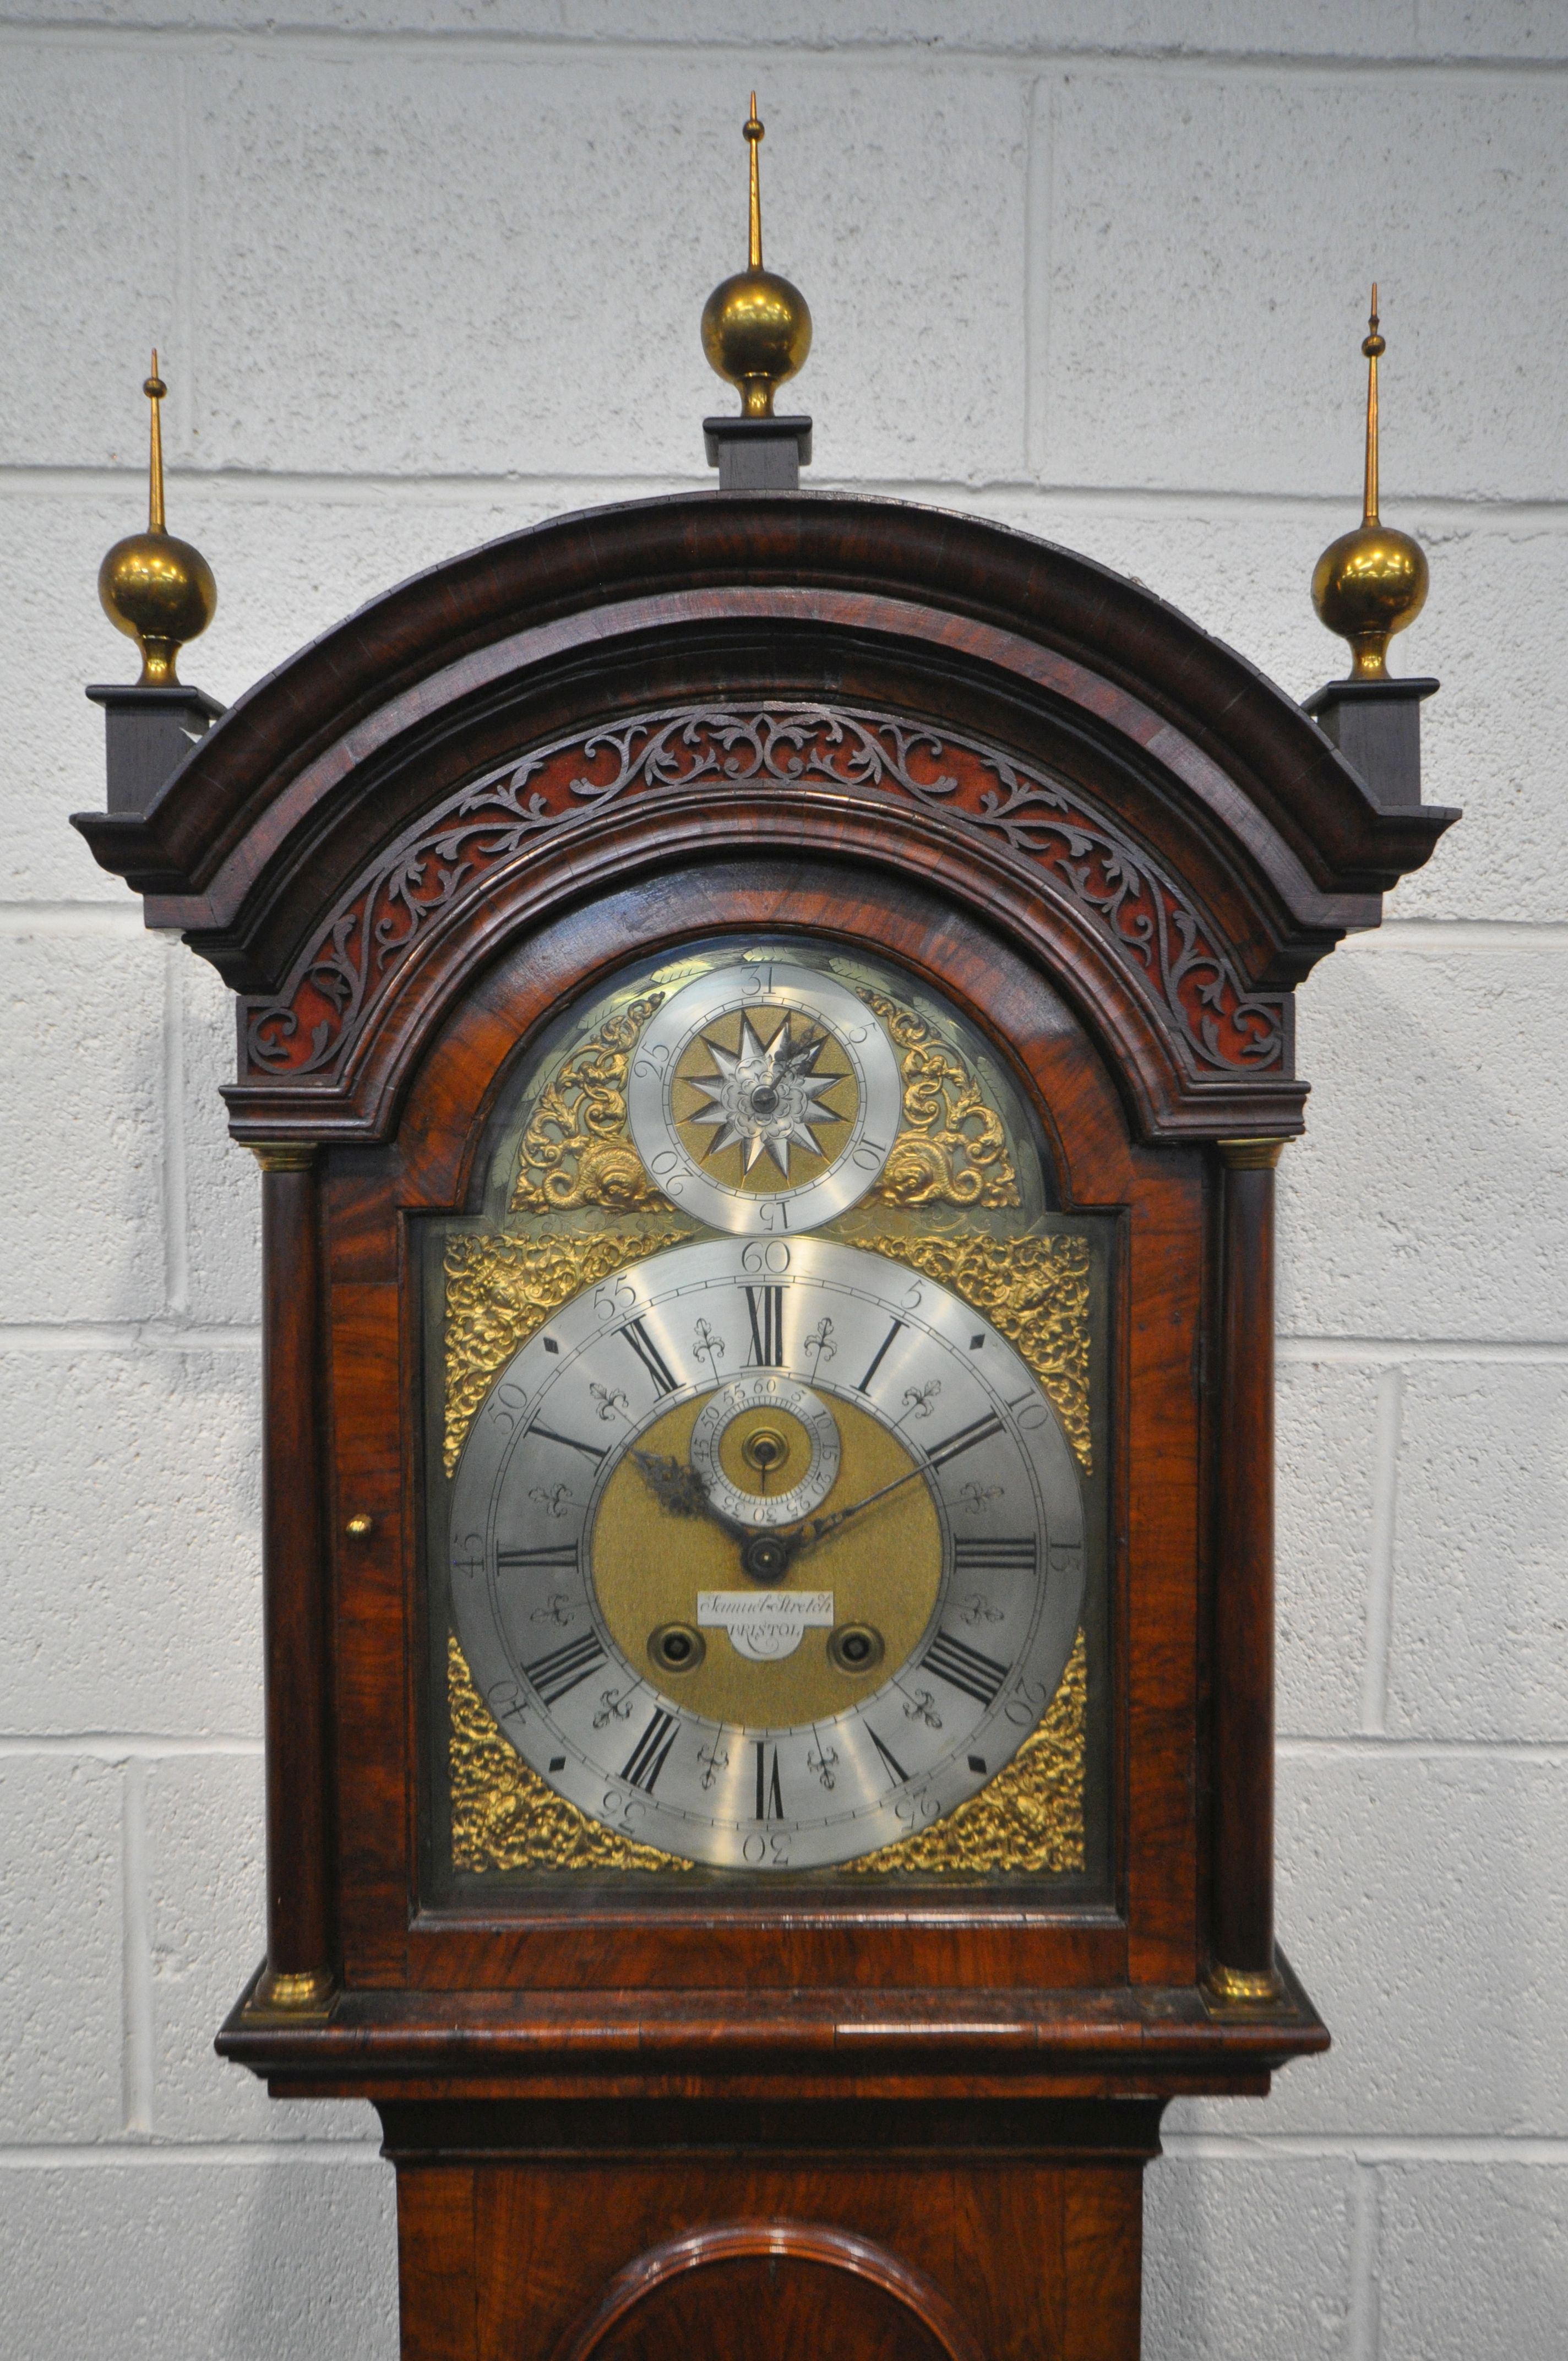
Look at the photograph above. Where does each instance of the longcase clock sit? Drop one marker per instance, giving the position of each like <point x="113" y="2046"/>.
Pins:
<point x="766" y="1022"/>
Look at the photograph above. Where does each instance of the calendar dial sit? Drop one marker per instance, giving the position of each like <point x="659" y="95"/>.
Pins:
<point x="764" y="1098"/>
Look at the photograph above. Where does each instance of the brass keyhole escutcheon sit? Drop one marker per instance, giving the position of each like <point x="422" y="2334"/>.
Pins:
<point x="764" y="1449"/>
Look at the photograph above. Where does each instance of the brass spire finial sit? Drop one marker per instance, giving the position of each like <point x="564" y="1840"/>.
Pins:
<point x="1369" y="584"/>
<point x="1371" y="346"/>
<point x="751" y="131"/>
<point x="157" y="590"/>
<point x="756" y="327"/>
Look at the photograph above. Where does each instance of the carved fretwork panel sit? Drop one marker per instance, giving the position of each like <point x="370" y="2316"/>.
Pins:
<point x="1146" y="921"/>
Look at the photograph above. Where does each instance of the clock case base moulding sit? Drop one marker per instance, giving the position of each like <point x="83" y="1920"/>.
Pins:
<point x="919" y="2118"/>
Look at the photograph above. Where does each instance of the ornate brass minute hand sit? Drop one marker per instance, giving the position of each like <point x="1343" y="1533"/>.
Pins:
<point x="806" y="1535"/>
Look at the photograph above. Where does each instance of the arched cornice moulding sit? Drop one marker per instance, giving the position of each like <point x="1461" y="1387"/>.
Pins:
<point x="1143" y="813"/>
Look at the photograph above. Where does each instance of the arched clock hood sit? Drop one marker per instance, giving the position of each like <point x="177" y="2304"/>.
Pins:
<point x="1150" y="820"/>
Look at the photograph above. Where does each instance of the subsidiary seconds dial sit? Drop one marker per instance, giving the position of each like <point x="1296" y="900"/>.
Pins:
<point x="767" y="1554"/>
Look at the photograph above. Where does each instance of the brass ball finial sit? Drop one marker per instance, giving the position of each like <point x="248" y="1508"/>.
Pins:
<point x="1371" y="583"/>
<point x="157" y="590"/>
<point x="756" y="327"/>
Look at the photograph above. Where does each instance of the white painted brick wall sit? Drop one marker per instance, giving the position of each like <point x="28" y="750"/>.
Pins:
<point x="425" y="271"/>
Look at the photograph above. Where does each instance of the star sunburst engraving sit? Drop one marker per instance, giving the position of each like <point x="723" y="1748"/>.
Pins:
<point x="766" y="1099"/>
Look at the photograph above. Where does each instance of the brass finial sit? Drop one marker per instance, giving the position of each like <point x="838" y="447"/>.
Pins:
<point x="157" y="590"/>
<point x="756" y="327"/>
<point x="1369" y="584"/>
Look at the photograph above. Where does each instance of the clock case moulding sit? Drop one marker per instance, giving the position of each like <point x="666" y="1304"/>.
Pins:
<point x="1117" y="847"/>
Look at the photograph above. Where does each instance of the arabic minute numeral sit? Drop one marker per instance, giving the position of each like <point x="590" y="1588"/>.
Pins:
<point x="651" y="1753"/>
<point x="770" y="1795"/>
<point x="965" y="1668"/>
<point x="648" y="1353"/>
<point x="1025" y="1709"/>
<point x="764" y="1307"/>
<point x="563" y="1667"/>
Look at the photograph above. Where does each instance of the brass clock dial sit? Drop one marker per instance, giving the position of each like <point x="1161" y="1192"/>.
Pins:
<point x="734" y="1685"/>
<point x="763" y="1098"/>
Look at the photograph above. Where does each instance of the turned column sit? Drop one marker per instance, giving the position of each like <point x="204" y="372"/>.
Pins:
<point x="300" y="1936"/>
<point x="1242" y="1923"/>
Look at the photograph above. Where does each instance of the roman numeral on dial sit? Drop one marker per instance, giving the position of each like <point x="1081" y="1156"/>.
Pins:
<point x="563" y="1667"/>
<point x="895" y="1767"/>
<point x="966" y="1438"/>
<point x="765" y="1307"/>
<point x="650" y="1752"/>
<point x="648" y="1353"/>
<point x="879" y="1357"/>
<point x="587" y="1449"/>
<point x="963" y="1668"/>
<point x="973" y="1555"/>
<point x="770" y="1795"/>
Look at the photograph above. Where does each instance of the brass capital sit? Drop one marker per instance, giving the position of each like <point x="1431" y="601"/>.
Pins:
<point x="1249" y="1155"/>
<point x="309" y="1993"/>
<point x="1232" y="1987"/>
<point x="284" y="1155"/>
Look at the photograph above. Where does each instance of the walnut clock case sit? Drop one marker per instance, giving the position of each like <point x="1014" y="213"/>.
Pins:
<point x="766" y="1023"/>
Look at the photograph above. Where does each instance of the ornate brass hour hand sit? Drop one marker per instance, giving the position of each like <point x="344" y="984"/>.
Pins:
<point x="680" y="1489"/>
<point x="766" y="1553"/>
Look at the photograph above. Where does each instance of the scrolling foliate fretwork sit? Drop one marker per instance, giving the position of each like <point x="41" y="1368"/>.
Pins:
<point x="1138" y="909"/>
<point x="576" y="1149"/>
<point x="951" y="1149"/>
